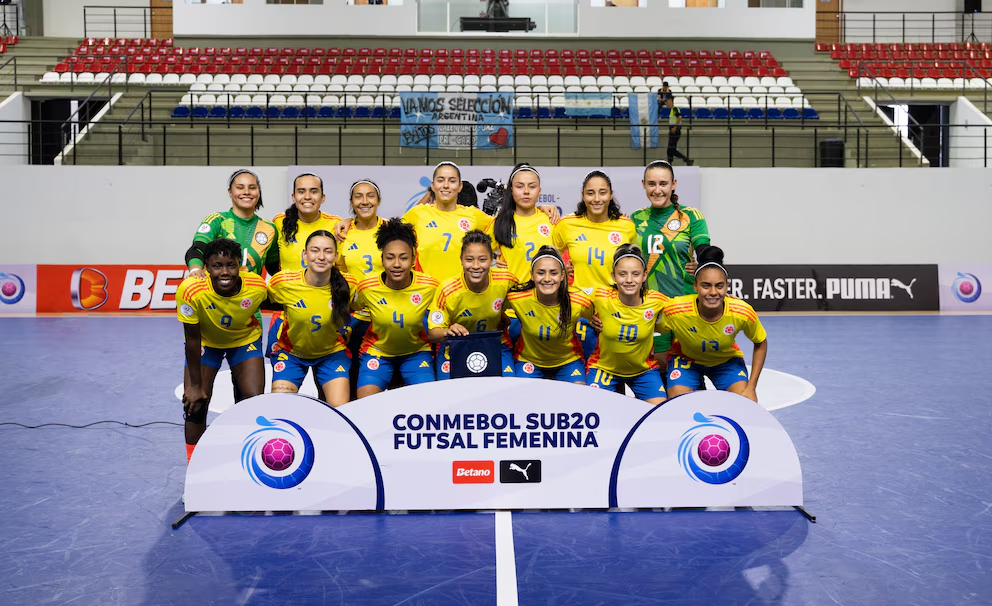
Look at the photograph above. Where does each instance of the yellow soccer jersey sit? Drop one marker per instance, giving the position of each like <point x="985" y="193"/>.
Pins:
<point x="359" y="252"/>
<point x="439" y="237"/>
<point x="454" y="303"/>
<point x="591" y="246"/>
<point x="291" y="254"/>
<point x="311" y="331"/>
<point x="397" y="316"/>
<point x="532" y="233"/>
<point x="540" y="342"/>
<point x="626" y="344"/>
<point x="225" y="322"/>
<point x="710" y="343"/>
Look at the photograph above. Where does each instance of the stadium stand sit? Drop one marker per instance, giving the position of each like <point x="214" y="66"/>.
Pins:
<point x="951" y="65"/>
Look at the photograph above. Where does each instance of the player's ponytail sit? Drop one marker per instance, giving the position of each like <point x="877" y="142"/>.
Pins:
<point x="340" y="291"/>
<point x="505" y="226"/>
<point x="291" y="224"/>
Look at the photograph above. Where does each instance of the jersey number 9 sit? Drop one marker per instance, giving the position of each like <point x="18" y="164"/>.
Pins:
<point x="225" y="321"/>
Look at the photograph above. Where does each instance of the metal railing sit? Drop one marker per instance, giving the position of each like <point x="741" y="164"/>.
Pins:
<point x="909" y="26"/>
<point x="120" y="21"/>
<point x="969" y="75"/>
<point x="10" y="20"/>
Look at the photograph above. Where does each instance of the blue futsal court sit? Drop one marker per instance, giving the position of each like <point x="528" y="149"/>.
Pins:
<point x="895" y="449"/>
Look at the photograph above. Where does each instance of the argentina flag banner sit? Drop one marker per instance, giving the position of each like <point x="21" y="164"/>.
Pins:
<point x="643" y="120"/>
<point x="589" y="105"/>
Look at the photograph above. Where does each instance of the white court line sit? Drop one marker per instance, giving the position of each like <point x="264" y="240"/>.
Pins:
<point x="506" y="561"/>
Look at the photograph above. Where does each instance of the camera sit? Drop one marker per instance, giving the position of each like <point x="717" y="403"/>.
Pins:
<point x="494" y="199"/>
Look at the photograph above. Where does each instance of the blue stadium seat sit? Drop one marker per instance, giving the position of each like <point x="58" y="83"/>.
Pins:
<point x="394" y="113"/>
<point x="544" y="112"/>
<point x="755" y="113"/>
<point x="180" y="112"/>
<point x="721" y="113"/>
<point x="200" y="112"/>
<point x="363" y="112"/>
<point x="704" y="113"/>
<point x="326" y="111"/>
<point x="791" y="114"/>
<point x="810" y="114"/>
<point x="663" y="113"/>
<point x="309" y="112"/>
<point x="237" y="112"/>
<point x="379" y="112"/>
<point x="560" y="112"/>
<point x="738" y="113"/>
<point x="291" y="112"/>
<point x="525" y="112"/>
<point x="344" y="112"/>
<point x="774" y="113"/>
<point x="273" y="112"/>
<point x="253" y="112"/>
<point x="218" y="111"/>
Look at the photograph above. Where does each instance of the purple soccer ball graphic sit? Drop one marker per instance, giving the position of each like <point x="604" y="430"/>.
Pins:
<point x="714" y="450"/>
<point x="278" y="454"/>
<point x="8" y="289"/>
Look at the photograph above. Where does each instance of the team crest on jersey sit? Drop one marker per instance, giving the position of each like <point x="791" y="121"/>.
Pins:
<point x="372" y="364"/>
<point x="649" y="314"/>
<point x="204" y="228"/>
<point x="674" y="225"/>
<point x="261" y="238"/>
<point x="279" y="367"/>
<point x="416" y="299"/>
<point x="544" y="230"/>
<point x="528" y="368"/>
<point x="729" y="329"/>
<point x="446" y="367"/>
<point x="186" y="310"/>
<point x="246" y="304"/>
<point x="615" y="237"/>
<point x="464" y="224"/>
<point x="675" y="374"/>
<point x="497" y="304"/>
<point x="437" y="317"/>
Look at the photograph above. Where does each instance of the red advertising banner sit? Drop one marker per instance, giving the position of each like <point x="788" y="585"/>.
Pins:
<point x="108" y="288"/>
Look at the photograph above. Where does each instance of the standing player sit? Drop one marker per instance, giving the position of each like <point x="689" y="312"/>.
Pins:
<point x="705" y="326"/>
<point x="519" y="229"/>
<point x="315" y="303"/>
<point x="548" y="310"/>
<point x="471" y="302"/>
<point x="218" y="316"/>
<point x="397" y="301"/>
<point x="668" y="233"/>
<point x="301" y="219"/>
<point x="590" y="237"/>
<point x="256" y="236"/>
<point x="628" y="312"/>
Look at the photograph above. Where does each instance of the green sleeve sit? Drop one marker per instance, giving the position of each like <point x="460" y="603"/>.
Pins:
<point x="207" y="232"/>
<point x="699" y="233"/>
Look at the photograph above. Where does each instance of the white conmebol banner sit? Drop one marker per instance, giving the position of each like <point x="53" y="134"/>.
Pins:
<point x="404" y="186"/>
<point x="492" y="443"/>
<point x="965" y="287"/>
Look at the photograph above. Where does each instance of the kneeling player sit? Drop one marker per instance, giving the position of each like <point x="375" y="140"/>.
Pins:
<point x="218" y="316"/>
<point x="705" y="325"/>
<point x="315" y="303"/>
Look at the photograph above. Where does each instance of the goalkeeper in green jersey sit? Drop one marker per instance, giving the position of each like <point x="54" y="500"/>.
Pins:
<point x="668" y="234"/>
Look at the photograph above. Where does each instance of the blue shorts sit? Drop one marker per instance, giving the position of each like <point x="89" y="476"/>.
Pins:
<point x="646" y="386"/>
<point x="573" y="372"/>
<point x="587" y="336"/>
<point x="442" y="363"/>
<point x="378" y="370"/>
<point x="687" y="373"/>
<point x="287" y="367"/>
<point x="213" y="356"/>
<point x="275" y="324"/>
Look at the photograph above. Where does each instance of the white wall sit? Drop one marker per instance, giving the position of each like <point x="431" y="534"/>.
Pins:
<point x="64" y="18"/>
<point x="14" y="137"/>
<point x="971" y="144"/>
<point x="919" y="27"/>
<point x="759" y="216"/>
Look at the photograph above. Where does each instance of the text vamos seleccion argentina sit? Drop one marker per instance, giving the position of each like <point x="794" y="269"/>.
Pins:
<point x="471" y="431"/>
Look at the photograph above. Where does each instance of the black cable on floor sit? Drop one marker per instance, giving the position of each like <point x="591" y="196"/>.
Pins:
<point x="125" y="424"/>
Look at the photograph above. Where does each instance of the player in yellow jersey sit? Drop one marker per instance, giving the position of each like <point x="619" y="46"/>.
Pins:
<point x="548" y="310"/>
<point x="628" y="311"/>
<point x="519" y="229"/>
<point x="705" y="326"/>
<point x="397" y="301"/>
<point x="315" y="304"/>
<point x="218" y="316"/>
<point x="589" y="238"/>
<point x="443" y="223"/>
<point x="471" y="302"/>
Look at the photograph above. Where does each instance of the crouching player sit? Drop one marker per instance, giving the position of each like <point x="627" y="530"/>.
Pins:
<point x="315" y="305"/>
<point x="705" y="325"/>
<point x="218" y="316"/>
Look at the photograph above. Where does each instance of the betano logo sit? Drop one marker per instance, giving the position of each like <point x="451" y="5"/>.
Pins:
<point x="473" y="472"/>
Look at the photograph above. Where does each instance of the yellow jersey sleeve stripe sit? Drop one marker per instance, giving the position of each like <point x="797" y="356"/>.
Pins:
<point x="279" y="217"/>
<point x="329" y="217"/>
<point x="368" y="283"/>
<point x="210" y="217"/>
<point x="516" y="296"/>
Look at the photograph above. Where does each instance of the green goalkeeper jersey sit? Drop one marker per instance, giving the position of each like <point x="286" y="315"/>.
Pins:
<point x="256" y="236"/>
<point x="668" y="238"/>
